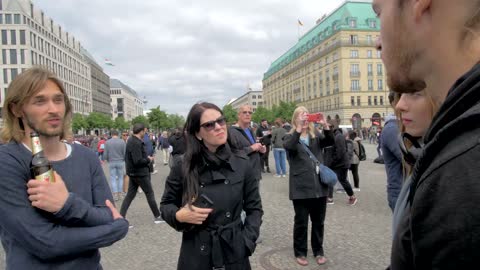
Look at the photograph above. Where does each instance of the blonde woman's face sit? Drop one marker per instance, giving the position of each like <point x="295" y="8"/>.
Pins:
<point x="415" y="112"/>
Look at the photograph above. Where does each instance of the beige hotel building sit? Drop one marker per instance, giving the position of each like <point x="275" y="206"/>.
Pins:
<point x="334" y="68"/>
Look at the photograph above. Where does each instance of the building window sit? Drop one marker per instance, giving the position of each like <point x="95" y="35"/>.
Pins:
<point x="259" y="96"/>
<point x="379" y="69"/>
<point x="381" y="100"/>
<point x="254" y="103"/>
<point x="1" y="16"/>
<point x="5" y="76"/>
<point x="380" y="84"/>
<point x="379" y="54"/>
<point x="4" y="37"/>
<point x="370" y="69"/>
<point x="373" y="24"/>
<point x="354" y="54"/>
<point x="353" y="23"/>
<point x="358" y="101"/>
<point x="22" y="56"/>
<point x="13" y="37"/>
<point x="355" y="85"/>
<point x="354" y="70"/>
<point x="352" y="100"/>
<point x="370" y="85"/>
<point x="4" y="56"/>
<point x="254" y="97"/>
<point x="375" y="101"/>
<point x="369" y="39"/>
<point x="22" y="37"/>
<point x="354" y="39"/>
<point x="8" y="18"/>
<point x="16" y="19"/>
<point x="13" y="56"/>
<point x="14" y="73"/>
<point x="369" y="54"/>
<point x="1" y="6"/>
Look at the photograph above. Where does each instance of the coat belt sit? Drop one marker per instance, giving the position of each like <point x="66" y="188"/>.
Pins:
<point x="227" y="233"/>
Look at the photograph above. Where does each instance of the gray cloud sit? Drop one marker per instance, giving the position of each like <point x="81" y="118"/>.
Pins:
<point x="179" y="52"/>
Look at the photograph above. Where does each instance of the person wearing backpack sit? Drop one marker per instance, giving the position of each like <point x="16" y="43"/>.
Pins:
<point x="355" y="161"/>
<point x="340" y="165"/>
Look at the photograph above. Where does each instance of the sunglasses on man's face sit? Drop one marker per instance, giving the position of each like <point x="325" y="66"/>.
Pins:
<point x="247" y="112"/>
<point x="210" y="125"/>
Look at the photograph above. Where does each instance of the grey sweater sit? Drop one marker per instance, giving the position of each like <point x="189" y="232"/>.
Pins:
<point x="114" y="150"/>
<point x="68" y="239"/>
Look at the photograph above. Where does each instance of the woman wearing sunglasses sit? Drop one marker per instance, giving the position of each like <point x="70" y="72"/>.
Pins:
<point x="205" y="194"/>
<point x="415" y="111"/>
<point x="308" y="195"/>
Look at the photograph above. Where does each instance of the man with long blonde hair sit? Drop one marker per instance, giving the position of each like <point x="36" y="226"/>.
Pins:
<point x="51" y="225"/>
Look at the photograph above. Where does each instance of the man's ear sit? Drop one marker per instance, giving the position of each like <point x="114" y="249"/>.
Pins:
<point x="16" y="110"/>
<point x="420" y="7"/>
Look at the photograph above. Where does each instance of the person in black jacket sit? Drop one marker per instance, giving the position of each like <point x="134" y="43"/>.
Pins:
<point x="340" y="165"/>
<point x="440" y="229"/>
<point x="137" y="164"/>
<point x="264" y="136"/>
<point x="242" y="138"/>
<point x="308" y="194"/>
<point x="206" y="193"/>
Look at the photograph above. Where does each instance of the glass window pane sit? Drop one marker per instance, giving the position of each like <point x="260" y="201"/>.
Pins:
<point x="4" y="37"/>
<point x="13" y="37"/>
<point x="5" y="76"/>
<point x="8" y="18"/>
<point x="13" y="56"/>
<point x="22" y="56"/>
<point x="16" y="18"/>
<point x="22" y="37"/>
<point x="14" y="73"/>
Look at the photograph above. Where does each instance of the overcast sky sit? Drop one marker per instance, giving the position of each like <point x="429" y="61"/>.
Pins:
<point x="179" y="52"/>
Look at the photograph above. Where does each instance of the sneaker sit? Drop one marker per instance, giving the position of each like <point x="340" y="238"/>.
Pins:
<point x="277" y="175"/>
<point x="268" y="170"/>
<point x="330" y="201"/>
<point x="130" y="226"/>
<point x="158" y="220"/>
<point x="340" y="191"/>
<point x="356" y="189"/>
<point x="352" y="200"/>
<point x="284" y="175"/>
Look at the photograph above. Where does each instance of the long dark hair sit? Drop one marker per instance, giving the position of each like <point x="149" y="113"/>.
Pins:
<point x="193" y="154"/>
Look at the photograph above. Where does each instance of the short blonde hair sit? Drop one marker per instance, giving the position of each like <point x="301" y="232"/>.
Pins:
<point x="21" y="89"/>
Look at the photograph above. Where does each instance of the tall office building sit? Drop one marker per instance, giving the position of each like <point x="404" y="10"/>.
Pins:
<point x="125" y="101"/>
<point x="101" y="101"/>
<point x="30" y="38"/>
<point x="334" y="68"/>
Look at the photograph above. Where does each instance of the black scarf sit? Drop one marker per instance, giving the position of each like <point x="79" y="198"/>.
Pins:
<point x="218" y="159"/>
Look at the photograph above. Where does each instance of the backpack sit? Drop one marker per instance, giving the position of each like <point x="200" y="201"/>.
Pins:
<point x="349" y="147"/>
<point x="362" y="155"/>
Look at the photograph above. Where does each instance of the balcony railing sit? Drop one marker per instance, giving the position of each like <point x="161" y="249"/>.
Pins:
<point x="354" y="74"/>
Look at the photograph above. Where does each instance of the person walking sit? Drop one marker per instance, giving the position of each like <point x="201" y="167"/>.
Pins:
<point x="264" y="136"/>
<point x="308" y="194"/>
<point x="137" y="162"/>
<point x="355" y="161"/>
<point x="164" y="145"/>
<point x="115" y="156"/>
<point x="206" y="193"/>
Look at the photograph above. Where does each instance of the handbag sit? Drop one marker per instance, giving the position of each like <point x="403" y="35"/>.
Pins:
<point x="326" y="175"/>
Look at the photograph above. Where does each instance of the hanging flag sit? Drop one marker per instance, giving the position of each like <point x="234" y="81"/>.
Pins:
<point x="300" y="22"/>
<point x="108" y="62"/>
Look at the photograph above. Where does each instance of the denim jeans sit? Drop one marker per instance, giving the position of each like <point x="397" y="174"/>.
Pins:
<point x="280" y="161"/>
<point x="116" y="175"/>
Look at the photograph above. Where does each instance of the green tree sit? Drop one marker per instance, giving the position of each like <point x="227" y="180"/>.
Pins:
<point x="121" y="124"/>
<point x="284" y="110"/>
<point x="262" y="113"/>
<point x="176" y="120"/>
<point x="158" y="119"/>
<point x="140" y="119"/>
<point x="230" y="114"/>
<point x="78" y="122"/>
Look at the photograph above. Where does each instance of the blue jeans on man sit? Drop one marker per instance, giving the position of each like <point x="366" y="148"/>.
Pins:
<point x="117" y="170"/>
<point x="280" y="157"/>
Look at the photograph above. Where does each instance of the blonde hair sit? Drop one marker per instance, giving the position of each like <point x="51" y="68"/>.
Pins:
<point x="21" y="89"/>
<point x="434" y="106"/>
<point x="299" y="110"/>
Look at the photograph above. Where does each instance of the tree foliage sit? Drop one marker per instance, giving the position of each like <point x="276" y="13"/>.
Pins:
<point x="230" y="113"/>
<point x="140" y="119"/>
<point x="98" y="120"/>
<point x="120" y="124"/>
<point x="176" y="120"/>
<point x="78" y="122"/>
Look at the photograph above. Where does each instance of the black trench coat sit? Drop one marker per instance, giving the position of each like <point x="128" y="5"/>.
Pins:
<point x="232" y="188"/>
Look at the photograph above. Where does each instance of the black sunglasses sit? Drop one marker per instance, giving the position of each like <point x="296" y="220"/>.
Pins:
<point x="247" y="112"/>
<point x="210" y="125"/>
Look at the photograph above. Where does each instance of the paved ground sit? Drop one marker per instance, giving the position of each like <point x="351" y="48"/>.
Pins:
<point x="356" y="237"/>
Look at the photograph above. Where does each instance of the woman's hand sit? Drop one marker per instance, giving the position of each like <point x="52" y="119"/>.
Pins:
<point x="324" y="124"/>
<point x="193" y="215"/>
<point x="300" y="121"/>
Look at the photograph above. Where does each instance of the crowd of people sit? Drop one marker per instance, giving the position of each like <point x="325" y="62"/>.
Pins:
<point x="430" y="148"/>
